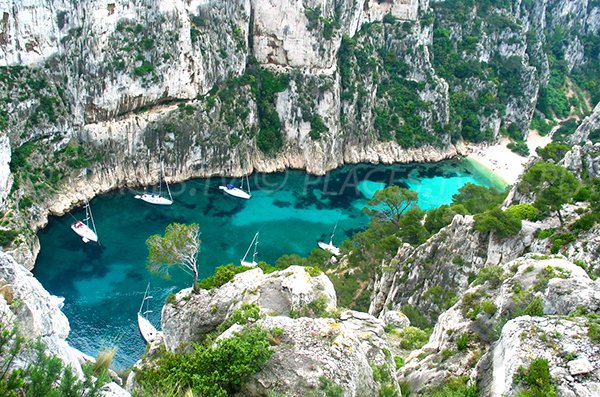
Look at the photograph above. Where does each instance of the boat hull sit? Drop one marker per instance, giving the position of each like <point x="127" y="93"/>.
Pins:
<point x="235" y="192"/>
<point x="84" y="232"/>
<point x="248" y="264"/>
<point x="332" y="249"/>
<point x="154" y="199"/>
<point x="148" y="331"/>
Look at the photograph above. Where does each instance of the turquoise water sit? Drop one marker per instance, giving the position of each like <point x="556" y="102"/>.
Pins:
<point x="103" y="285"/>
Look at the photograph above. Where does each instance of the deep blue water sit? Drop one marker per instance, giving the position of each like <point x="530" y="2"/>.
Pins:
<point x="103" y="285"/>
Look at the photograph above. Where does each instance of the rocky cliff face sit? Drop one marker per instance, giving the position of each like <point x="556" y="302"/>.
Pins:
<point x="549" y="289"/>
<point x="108" y="76"/>
<point x="318" y="340"/>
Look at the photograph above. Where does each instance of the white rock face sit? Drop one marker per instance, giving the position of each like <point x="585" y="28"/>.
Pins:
<point x="194" y="315"/>
<point x="36" y="311"/>
<point x="342" y="350"/>
<point x="522" y="342"/>
<point x="5" y="175"/>
<point x="589" y="124"/>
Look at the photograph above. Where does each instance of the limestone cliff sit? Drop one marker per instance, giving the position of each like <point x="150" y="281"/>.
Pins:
<point x="187" y="82"/>
<point x="319" y="341"/>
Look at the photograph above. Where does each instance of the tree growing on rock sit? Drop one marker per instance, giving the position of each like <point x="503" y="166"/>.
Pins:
<point x="552" y="185"/>
<point x="178" y="247"/>
<point x="391" y="203"/>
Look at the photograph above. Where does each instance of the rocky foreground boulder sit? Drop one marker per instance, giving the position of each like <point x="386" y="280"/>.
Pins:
<point x="317" y="345"/>
<point x="535" y="307"/>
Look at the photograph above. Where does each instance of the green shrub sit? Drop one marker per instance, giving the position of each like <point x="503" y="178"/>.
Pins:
<point x="493" y="275"/>
<point x="399" y="361"/>
<point x="489" y="307"/>
<point x="462" y="341"/>
<point x="523" y="211"/>
<point x="208" y="370"/>
<point x="454" y="387"/>
<point x="416" y="317"/>
<point x="585" y="222"/>
<point x="317" y="127"/>
<point x="503" y="224"/>
<point x="412" y="338"/>
<point x="313" y="271"/>
<point x="248" y="312"/>
<point x="519" y="147"/>
<point x="535" y="308"/>
<point x="329" y="388"/>
<point x="45" y="375"/>
<point x="222" y="275"/>
<point x="535" y="381"/>
<point x="7" y="237"/>
<point x="553" y="151"/>
<point x="477" y="199"/>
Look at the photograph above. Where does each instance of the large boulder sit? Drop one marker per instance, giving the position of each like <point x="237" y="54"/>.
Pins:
<point x="192" y="315"/>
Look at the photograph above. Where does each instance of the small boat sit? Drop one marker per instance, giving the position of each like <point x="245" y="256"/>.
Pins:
<point x="237" y="191"/>
<point x="83" y="229"/>
<point x="244" y="262"/>
<point x="148" y="331"/>
<point x="329" y="247"/>
<point x="157" y="198"/>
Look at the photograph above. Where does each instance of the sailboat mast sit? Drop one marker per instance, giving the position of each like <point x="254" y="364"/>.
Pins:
<point x="144" y="300"/>
<point x="162" y="173"/>
<point x="88" y="213"/>
<point x="255" y="247"/>
<point x="248" y="183"/>
<point x="249" y="247"/>
<point x="333" y="233"/>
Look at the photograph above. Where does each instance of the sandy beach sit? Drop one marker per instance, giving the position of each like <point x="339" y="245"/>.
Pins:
<point x="499" y="159"/>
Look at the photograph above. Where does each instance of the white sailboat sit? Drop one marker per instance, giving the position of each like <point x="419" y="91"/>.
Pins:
<point x="329" y="247"/>
<point x="83" y="229"/>
<point x="148" y="331"/>
<point x="157" y="198"/>
<point x="254" y="242"/>
<point x="238" y="191"/>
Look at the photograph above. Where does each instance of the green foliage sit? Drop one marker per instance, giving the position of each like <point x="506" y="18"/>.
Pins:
<point x="269" y="139"/>
<point x="462" y="341"/>
<point x="503" y="224"/>
<point x="222" y="275"/>
<point x="535" y="381"/>
<point x="552" y="185"/>
<point x="540" y="125"/>
<point x="585" y="222"/>
<point x="477" y="199"/>
<point x="492" y="275"/>
<point x="411" y="227"/>
<point x="489" y="307"/>
<point x="7" y="237"/>
<point x="399" y="361"/>
<point x="45" y="376"/>
<point x="329" y="388"/>
<point x="247" y="313"/>
<point x="209" y="370"/>
<point x="440" y="217"/>
<point x="391" y="203"/>
<point x="519" y="147"/>
<point x="412" y="338"/>
<point x="454" y="387"/>
<point x="317" y="127"/>
<point x="313" y="271"/>
<point x="178" y="247"/>
<point x="440" y="296"/>
<point x="416" y="317"/>
<point x="144" y="69"/>
<point x="566" y="129"/>
<point x="523" y="211"/>
<point x="554" y="151"/>
<point x="535" y="308"/>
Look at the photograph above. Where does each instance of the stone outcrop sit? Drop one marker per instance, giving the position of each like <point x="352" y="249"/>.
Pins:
<point x="564" y="342"/>
<point x="343" y="348"/>
<point x="276" y="293"/>
<point x="478" y="317"/>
